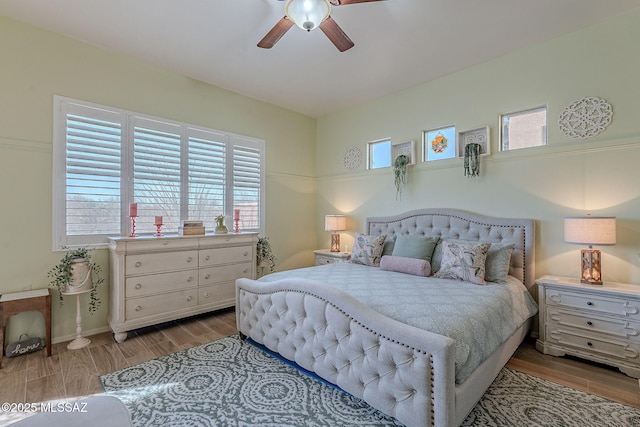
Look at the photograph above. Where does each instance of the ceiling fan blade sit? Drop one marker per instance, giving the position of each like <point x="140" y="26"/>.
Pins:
<point x="345" y="2"/>
<point x="275" y="33"/>
<point x="338" y="37"/>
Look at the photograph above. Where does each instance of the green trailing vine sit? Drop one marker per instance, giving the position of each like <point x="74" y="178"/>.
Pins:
<point x="62" y="274"/>
<point x="265" y="255"/>
<point x="400" y="166"/>
<point x="472" y="160"/>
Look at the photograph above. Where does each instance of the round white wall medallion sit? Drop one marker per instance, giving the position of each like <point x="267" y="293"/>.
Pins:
<point x="585" y="117"/>
<point x="352" y="158"/>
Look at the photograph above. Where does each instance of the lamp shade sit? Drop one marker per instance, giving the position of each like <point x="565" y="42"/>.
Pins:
<point x="590" y="230"/>
<point x="335" y="222"/>
<point x="307" y="14"/>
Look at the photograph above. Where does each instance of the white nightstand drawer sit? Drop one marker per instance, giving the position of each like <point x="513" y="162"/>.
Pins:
<point x="606" y="304"/>
<point x="618" y="349"/>
<point x="592" y="324"/>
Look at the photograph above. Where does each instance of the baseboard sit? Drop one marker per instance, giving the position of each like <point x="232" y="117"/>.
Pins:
<point x="88" y="333"/>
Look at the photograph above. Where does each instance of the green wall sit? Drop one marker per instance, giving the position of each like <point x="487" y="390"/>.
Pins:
<point x="37" y="64"/>
<point x="567" y="177"/>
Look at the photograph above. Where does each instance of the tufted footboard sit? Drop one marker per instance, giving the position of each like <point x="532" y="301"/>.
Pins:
<point x="401" y="370"/>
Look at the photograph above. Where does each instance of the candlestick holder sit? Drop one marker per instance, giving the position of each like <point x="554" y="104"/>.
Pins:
<point x="237" y="229"/>
<point x="133" y="226"/>
<point x="158" y="233"/>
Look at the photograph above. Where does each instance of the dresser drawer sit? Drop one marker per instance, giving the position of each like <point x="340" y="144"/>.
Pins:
<point x="224" y="273"/>
<point x="153" y="263"/>
<point x="605" y="304"/>
<point x="593" y="324"/>
<point x="217" y="293"/>
<point x="217" y="256"/>
<point x="619" y="349"/>
<point x="162" y="244"/>
<point x="136" y="308"/>
<point x="138" y="286"/>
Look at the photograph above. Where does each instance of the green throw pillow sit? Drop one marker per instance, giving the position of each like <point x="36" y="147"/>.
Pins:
<point x="415" y="246"/>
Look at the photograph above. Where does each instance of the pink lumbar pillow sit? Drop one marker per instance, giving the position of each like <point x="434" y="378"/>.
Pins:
<point x="415" y="266"/>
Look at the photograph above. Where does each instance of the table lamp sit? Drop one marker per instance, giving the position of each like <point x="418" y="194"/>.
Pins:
<point x="590" y="230"/>
<point x="335" y="223"/>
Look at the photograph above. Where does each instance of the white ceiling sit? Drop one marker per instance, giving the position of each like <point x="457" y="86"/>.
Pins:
<point x="398" y="43"/>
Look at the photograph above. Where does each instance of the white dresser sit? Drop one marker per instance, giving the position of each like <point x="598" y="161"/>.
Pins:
<point x="595" y="322"/>
<point x="157" y="279"/>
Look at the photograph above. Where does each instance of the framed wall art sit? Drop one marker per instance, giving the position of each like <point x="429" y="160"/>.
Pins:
<point x="477" y="136"/>
<point x="439" y="143"/>
<point x="406" y="148"/>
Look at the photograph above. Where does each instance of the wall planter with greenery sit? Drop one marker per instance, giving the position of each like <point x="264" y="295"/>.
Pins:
<point x="400" y="167"/>
<point x="77" y="273"/>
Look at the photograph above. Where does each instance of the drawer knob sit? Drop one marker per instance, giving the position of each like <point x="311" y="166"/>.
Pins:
<point x="590" y="323"/>
<point x="246" y="253"/>
<point x="206" y="294"/>
<point x="589" y="303"/>
<point x="189" y="259"/>
<point x="189" y="279"/>
<point x="207" y="277"/>
<point x="138" y="264"/>
<point x="246" y="270"/>
<point x="589" y="343"/>
<point x="207" y="258"/>
<point x="138" y="286"/>
<point x="138" y="307"/>
<point x="189" y="298"/>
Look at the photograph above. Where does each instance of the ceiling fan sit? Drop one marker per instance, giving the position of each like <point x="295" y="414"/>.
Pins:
<point x="309" y="15"/>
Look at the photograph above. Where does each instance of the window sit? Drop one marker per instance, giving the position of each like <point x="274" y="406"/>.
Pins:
<point x="379" y="154"/>
<point x="524" y="129"/>
<point x="105" y="158"/>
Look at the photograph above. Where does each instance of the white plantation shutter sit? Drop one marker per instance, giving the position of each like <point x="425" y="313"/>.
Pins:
<point x="248" y="182"/>
<point x="105" y="158"/>
<point x="156" y="173"/>
<point x="207" y="176"/>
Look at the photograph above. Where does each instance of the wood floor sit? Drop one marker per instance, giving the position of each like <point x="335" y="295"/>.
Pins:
<point x="72" y="374"/>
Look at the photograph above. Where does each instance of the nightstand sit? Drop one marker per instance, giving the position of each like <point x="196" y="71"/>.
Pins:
<point x="325" y="256"/>
<point x="595" y="322"/>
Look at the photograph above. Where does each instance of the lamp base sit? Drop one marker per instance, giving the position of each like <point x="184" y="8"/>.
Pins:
<point x="591" y="267"/>
<point x="335" y="242"/>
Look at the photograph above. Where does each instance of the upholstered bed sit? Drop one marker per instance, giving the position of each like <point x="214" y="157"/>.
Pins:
<point x="328" y="322"/>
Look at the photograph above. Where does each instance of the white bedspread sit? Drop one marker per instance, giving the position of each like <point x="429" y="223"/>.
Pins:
<point x="478" y="318"/>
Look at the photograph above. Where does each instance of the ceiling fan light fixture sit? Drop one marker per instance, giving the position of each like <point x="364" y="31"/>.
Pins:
<point x="307" y="14"/>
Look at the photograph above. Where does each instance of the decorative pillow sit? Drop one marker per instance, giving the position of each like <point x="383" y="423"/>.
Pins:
<point x="463" y="261"/>
<point x="420" y="247"/>
<point x="417" y="267"/>
<point x="389" y="243"/>
<point x="367" y="250"/>
<point x="498" y="262"/>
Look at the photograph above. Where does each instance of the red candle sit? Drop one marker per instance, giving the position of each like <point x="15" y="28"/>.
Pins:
<point x="236" y="214"/>
<point x="158" y="220"/>
<point x="133" y="209"/>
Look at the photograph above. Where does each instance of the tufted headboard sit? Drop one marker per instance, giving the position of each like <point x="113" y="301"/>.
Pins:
<point x="463" y="225"/>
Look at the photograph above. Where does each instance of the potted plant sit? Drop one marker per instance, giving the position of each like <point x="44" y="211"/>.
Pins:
<point x="264" y="254"/>
<point x="220" y="227"/>
<point x="76" y="273"/>
<point x="400" y="166"/>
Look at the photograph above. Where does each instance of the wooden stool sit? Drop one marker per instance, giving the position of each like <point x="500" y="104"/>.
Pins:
<point x="19" y="302"/>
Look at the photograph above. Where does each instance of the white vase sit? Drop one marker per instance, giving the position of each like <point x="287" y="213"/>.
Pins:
<point x="80" y="277"/>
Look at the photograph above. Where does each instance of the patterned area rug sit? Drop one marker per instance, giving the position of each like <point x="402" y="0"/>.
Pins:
<point x="232" y="383"/>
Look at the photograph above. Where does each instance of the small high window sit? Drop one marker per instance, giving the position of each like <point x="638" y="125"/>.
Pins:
<point x="524" y="129"/>
<point x="379" y="154"/>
